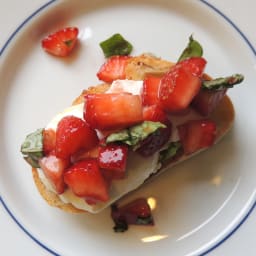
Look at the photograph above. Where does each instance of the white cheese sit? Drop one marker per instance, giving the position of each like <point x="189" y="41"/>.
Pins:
<point x="130" y="86"/>
<point x="76" y="110"/>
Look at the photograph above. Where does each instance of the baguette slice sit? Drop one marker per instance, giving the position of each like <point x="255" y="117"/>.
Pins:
<point x="137" y="69"/>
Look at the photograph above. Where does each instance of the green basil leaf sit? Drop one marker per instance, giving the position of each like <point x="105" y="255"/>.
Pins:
<point x="145" y="220"/>
<point x="135" y="134"/>
<point x="120" y="136"/>
<point x="222" y="83"/>
<point x="193" y="49"/>
<point x="120" y="226"/>
<point x="32" y="147"/>
<point x="116" y="45"/>
<point x="170" y="151"/>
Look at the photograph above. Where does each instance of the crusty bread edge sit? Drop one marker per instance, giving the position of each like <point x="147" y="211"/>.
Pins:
<point x="223" y="116"/>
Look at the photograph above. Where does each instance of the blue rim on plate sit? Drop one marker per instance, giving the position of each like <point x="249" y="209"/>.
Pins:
<point x="216" y="10"/>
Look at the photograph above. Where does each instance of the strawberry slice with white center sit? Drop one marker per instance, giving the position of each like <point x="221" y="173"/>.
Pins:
<point x="62" y="42"/>
<point x="197" y="134"/>
<point x="113" y="158"/>
<point x="112" y="111"/>
<point x="181" y="84"/>
<point x="113" y="68"/>
<point x="74" y="134"/>
<point x="86" y="180"/>
<point x="53" y="169"/>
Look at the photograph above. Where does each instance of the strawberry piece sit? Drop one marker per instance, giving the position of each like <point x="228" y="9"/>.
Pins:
<point x="72" y="135"/>
<point x="155" y="113"/>
<point x="155" y="141"/>
<point x="194" y="65"/>
<point x="150" y="90"/>
<point x="206" y="101"/>
<point x="62" y="42"/>
<point x="49" y="141"/>
<point x="181" y="84"/>
<point x="84" y="154"/>
<point x="53" y="169"/>
<point x="112" y="111"/>
<point x="112" y="159"/>
<point x="135" y="209"/>
<point x="86" y="180"/>
<point x="113" y="69"/>
<point x="137" y="212"/>
<point x="196" y="134"/>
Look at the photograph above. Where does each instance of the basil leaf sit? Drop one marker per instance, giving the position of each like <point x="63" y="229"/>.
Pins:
<point x="121" y="136"/>
<point x="193" y="49"/>
<point x="120" y="226"/>
<point x="145" y="220"/>
<point x="116" y="45"/>
<point x="170" y="151"/>
<point x="32" y="147"/>
<point x="140" y="132"/>
<point x="135" y="134"/>
<point x="222" y="83"/>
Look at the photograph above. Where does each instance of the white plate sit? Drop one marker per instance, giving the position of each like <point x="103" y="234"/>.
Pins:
<point x="200" y="202"/>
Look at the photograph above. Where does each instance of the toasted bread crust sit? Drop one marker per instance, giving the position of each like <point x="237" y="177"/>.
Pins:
<point x="223" y="116"/>
<point x="50" y="197"/>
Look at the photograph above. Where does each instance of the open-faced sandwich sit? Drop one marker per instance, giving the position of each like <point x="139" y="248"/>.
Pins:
<point x="147" y="115"/>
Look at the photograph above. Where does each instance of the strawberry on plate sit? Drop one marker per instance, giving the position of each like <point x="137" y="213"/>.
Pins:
<point x="194" y="65"/>
<point x="73" y="134"/>
<point x="62" y="42"/>
<point x="112" y="159"/>
<point x="53" y="169"/>
<point x="181" y="84"/>
<point x="150" y="90"/>
<point x="196" y="134"/>
<point x="49" y="141"/>
<point x="86" y="180"/>
<point x="155" y="141"/>
<point x="113" y="68"/>
<point x="206" y="101"/>
<point x="155" y="113"/>
<point x="112" y="111"/>
<point x="136" y="212"/>
<point x="84" y="154"/>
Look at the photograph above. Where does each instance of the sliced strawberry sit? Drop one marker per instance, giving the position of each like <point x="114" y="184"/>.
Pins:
<point x="137" y="208"/>
<point x="72" y="135"/>
<point x="49" y="141"/>
<point x="150" y="90"/>
<point x="196" y="134"/>
<point x="155" y="113"/>
<point x="53" y="169"/>
<point x="62" y="42"/>
<point x="113" y="69"/>
<point x="84" y="154"/>
<point x="86" y="180"/>
<point x="155" y="141"/>
<point x="206" y="101"/>
<point x="113" y="158"/>
<point x="137" y="212"/>
<point x="112" y="111"/>
<point x="180" y="85"/>
<point x="194" y="65"/>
